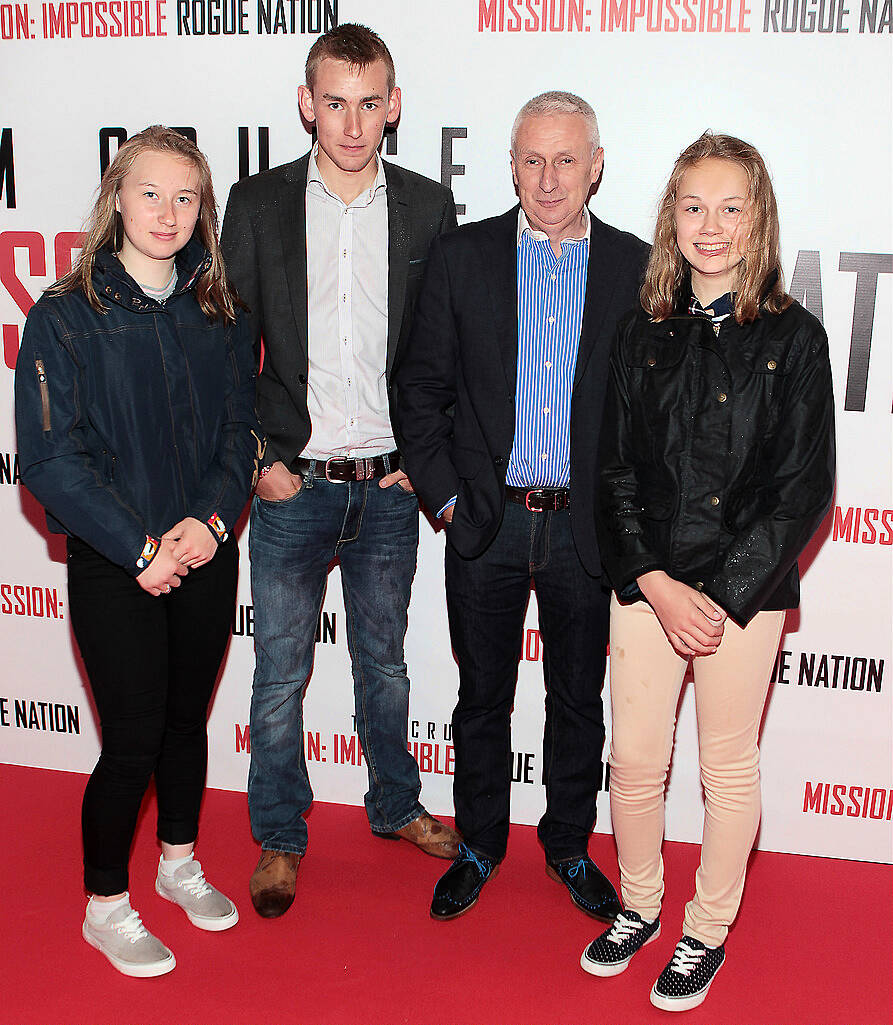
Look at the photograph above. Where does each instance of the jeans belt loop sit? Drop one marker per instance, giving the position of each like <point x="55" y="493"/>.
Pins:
<point x="311" y="471"/>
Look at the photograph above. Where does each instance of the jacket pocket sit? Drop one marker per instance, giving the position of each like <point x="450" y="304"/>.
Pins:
<point x="653" y="354"/>
<point x="467" y="461"/>
<point x="658" y="494"/>
<point x="769" y="360"/>
<point x="109" y="461"/>
<point x="44" y="389"/>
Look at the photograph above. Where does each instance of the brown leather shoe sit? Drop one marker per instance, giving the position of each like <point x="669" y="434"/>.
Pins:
<point x="272" y="886"/>
<point x="428" y="835"/>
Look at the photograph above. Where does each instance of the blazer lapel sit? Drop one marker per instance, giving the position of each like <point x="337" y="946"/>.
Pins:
<point x="601" y="279"/>
<point x="293" y="228"/>
<point x="500" y="266"/>
<point x="398" y="257"/>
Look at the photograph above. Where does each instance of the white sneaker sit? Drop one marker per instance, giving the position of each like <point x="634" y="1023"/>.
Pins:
<point x="206" y="907"/>
<point x="128" y="944"/>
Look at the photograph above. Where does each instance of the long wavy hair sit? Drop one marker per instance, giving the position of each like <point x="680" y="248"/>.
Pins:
<point x="104" y="227"/>
<point x="667" y="268"/>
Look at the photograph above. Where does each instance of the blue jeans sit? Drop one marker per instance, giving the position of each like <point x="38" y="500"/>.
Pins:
<point x="487" y="600"/>
<point x="374" y="534"/>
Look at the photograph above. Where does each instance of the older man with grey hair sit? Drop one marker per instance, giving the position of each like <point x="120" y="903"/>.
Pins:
<point x="499" y="403"/>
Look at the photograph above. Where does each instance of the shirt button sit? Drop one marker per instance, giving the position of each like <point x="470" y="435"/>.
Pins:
<point x="551" y="277"/>
<point x="714" y="500"/>
<point x="721" y="397"/>
<point x="771" y="365"/>
<point x="545" y="409"/>
<point x="344" y="298"/>
<point x="544" y="456"/>
<point x="551" y="320"/>
<point x="344" y="254"/>
<point x="548" y="364"/>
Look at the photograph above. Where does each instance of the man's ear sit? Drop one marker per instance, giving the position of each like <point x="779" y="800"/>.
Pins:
<point x="394" y="102"/>
<point x="305" y="103"/>
<point x="598" y="162"/>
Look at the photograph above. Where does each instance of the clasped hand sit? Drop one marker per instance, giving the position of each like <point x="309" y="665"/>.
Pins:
<point x="692" y="622"/>
<point x="187" y="545"/>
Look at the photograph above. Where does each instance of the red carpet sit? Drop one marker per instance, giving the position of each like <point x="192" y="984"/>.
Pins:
<point x="812" y="945"/>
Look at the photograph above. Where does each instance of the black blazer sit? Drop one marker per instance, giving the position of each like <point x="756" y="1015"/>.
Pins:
<point x="264" y="242"/>
<point x="456" y="386"/>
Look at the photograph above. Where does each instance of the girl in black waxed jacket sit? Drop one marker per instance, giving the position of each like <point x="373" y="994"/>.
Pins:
<point x="137" y="432"/>
<point x="717" y="466"/>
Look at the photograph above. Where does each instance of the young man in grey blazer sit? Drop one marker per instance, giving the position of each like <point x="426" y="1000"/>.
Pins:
<point x="328" y="253"/>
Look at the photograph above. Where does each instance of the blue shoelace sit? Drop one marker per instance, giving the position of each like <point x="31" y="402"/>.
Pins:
<point x="466" y="854"/>
<point x="577" y="869"/>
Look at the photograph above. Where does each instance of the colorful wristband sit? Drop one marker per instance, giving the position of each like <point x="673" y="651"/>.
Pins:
<point x="148" y="552"/>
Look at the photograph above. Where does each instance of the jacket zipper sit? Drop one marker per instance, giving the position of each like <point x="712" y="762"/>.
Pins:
<point x="44" y="395"/>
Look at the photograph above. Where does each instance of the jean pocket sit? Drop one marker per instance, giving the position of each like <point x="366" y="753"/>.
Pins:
<point x="278" y="503"/>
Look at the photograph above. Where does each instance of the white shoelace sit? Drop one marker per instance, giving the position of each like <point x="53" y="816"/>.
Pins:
<point x="622" y="929"/>
<point x="197" y="885"/>
<point x="685" y="959"/>
<point x="131" y="927"/>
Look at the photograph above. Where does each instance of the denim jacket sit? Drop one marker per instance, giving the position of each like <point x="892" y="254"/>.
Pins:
<point x="717" y="455"/>
<point x="132" y="419"/>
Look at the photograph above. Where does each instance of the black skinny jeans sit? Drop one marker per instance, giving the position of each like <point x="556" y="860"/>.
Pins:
<point x="152" y="665"/>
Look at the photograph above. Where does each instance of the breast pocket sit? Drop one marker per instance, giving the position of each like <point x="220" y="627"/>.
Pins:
<point x="763" y="378"/>
<point x="655" y="370"/>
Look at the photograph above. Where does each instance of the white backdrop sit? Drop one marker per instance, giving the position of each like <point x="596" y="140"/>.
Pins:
<point x="807" y="81"/>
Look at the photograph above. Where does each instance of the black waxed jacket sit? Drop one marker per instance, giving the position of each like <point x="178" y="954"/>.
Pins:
<point x="130" y="420"/>
<point x="716" y="455"/>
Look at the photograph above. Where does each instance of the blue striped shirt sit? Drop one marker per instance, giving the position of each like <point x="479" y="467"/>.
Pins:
<point x="551" y="295"/>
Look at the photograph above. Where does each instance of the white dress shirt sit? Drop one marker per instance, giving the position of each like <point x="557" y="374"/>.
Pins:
<point x="347" y="320"/>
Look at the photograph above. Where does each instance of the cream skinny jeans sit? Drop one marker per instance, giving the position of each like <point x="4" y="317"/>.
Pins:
<point x="730" y="692"/>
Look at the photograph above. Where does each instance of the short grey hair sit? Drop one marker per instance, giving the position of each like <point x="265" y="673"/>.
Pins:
<point x="558" y="102"/>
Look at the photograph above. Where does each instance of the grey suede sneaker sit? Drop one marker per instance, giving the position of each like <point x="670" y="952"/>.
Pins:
<point x="206" y="907"/>
<point x="129" y="945"/>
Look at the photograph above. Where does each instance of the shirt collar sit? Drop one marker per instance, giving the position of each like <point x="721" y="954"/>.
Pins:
<point x="719" y="309"/>
<point x="524" y="227"/>
<point x="364" y="198"/>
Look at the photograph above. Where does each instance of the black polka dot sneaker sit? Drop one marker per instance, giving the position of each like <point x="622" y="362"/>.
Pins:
<point x="612" y="952"/>
<point x="684" y="983"/>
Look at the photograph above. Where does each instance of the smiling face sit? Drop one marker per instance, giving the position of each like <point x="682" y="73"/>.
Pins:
<point x="350" y="107"/>
<point x="713" y="225"/>
<point x="554" y="168"/>
<point x="159" y="201"/>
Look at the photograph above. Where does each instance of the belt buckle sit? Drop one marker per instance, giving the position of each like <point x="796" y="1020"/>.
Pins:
<point x="329" y="461"/>
<point x="533" y="491"/>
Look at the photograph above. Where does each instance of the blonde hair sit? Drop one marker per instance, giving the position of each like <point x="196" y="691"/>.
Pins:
<point x="216" y="297"/>
<point x="667" y="266"/>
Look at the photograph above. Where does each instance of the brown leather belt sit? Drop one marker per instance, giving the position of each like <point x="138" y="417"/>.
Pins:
<point x="539" y="499"/>
<point x="340" y="471"/>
